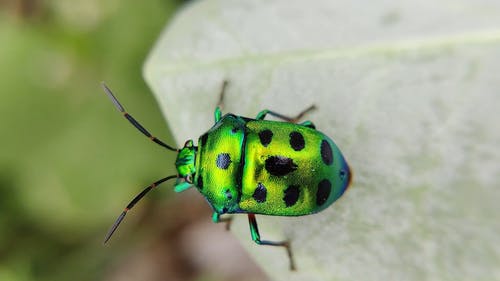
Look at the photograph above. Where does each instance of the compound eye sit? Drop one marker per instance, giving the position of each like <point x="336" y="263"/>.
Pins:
<point x="189" y="179"/>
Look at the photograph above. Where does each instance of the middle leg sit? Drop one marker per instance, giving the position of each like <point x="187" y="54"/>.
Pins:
<point x="295" y="119"/>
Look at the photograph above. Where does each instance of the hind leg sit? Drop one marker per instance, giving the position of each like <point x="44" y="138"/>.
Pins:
<point x="254" y="231"/>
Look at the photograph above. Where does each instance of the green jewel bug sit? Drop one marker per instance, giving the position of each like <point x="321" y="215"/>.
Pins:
<point x="255" y="166"/>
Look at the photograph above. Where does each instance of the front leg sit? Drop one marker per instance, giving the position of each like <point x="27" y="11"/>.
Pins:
<point x="217" y="114"/>
<point x="254" y="231"/>
<point x="220" y="103"/>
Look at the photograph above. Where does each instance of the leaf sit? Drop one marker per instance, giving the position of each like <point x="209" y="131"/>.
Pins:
<point x="408" y="90"/>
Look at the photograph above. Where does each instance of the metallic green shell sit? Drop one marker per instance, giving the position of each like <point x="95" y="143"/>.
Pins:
<point x="268" y="167"/>
<point x="221" y="186"/>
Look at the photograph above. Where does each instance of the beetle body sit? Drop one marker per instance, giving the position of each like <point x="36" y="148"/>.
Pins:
<point x="268" y="167"/>
<point x="255" y="166"/>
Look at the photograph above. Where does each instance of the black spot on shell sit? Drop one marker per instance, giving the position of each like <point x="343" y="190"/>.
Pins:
<point x="326" y="152"/>
<point x="297" y="141"/>
<point x="291" y="195"/>
<point x="324" y="190"/>
<point x="260" y="193"/>
<point x="203" y="139"/>
<point x="265" y="137"/>
<point x="279" y="165"/>
<point x="200" y="182"/>
<point x="223" y="160"/>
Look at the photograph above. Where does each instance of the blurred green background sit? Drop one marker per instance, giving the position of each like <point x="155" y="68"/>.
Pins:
<point x="66" y="153"/>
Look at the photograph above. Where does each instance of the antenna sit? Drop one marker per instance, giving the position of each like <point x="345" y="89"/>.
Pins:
<point x="133" y="121"/>
<point x="132" y="203"/>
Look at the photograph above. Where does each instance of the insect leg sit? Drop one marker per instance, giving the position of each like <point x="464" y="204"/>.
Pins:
<point x="308" y="124"/>
<point x="254" y="231"/>
<point x="134" y="122"/>
<point x="263" y="114"/>
<point x="220" y="103"/>
<point x="217" y="219"/>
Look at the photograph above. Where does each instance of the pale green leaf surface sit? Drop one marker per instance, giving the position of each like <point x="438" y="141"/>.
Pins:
<point x="409" y="90"/>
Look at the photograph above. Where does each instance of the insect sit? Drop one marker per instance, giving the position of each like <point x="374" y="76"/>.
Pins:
<point x="255" y="166"/>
